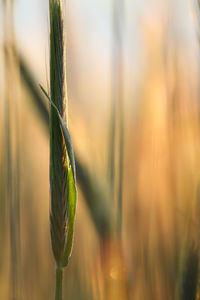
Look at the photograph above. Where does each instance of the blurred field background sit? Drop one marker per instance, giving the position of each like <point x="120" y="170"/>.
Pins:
<point x="142" y="69"/>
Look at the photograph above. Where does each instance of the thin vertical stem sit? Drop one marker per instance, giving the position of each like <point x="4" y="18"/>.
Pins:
<point x="58" y="283"/>
<point x="121" y="174"/>
<point x="119" y="34"/>
<point x="116" y="143"/>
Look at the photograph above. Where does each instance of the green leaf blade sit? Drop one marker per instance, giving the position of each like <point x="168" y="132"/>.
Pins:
<point x="72" y="198"/>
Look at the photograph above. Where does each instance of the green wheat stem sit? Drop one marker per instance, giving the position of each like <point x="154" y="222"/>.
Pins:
<point x="58" y="284"/>
<point x="62" y="162"/>
<point x="58" y="171"/>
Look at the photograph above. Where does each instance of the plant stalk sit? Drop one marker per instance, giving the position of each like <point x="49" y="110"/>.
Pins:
<point x="59" y="162"/>
<point x="117" y="118"/>
<point x="12" y="154"/>
<point x="58" y="283"/>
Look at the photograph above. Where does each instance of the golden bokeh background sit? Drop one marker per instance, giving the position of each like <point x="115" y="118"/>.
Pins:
<point x="154" y="64"/>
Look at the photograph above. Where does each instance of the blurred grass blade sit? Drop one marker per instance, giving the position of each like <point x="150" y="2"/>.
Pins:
<point x="12" y="145"/>
<point x="33" y="88"/>
<point x="95" y="192"/>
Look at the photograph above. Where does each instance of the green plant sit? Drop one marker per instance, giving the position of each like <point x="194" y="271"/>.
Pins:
<point x="62" y="163"/>
<point x="95" y="191"/>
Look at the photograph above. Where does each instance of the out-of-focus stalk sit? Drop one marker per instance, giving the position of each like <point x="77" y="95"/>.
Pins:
<point x="12" y="145"/>
<point x="111" y="251"/>
<point x="116" y="137"/>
